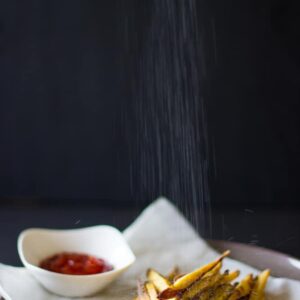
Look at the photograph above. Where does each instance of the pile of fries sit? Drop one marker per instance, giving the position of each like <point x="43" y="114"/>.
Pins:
<point x="205" y="283"/>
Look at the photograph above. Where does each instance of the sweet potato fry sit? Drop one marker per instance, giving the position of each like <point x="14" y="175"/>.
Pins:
<point x="151" y="291"/>
<point x="230" y="277"/>
<point x="159" y="281"/>
<point x="185" y="281"/>
<point x="142" y="294"/>
<point x="201" y="285"/>
<point x="175" y="273"/>
<point x="205" y="283"/>
<point x="215" y="270"/>
<point x="258" y="291"/>
<point x="206" y="295"/>
<point x="243" y="288"/>
<point x="188" y="279"/>
<point x="222" y="292"/>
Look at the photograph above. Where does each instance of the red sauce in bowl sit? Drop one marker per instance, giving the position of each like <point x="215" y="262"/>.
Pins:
<point x="73" y="263"/>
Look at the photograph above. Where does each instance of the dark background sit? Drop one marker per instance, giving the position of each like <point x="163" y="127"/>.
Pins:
<point x="64" y="159"/>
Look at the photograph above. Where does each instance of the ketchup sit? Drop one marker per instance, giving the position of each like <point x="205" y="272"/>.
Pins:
<point x="73" y="263"/>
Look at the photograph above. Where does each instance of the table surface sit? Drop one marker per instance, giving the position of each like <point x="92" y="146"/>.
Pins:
<point x="275" y="228"/>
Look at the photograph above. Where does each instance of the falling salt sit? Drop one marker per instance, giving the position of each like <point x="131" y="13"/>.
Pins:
<point x="167" y="119"/>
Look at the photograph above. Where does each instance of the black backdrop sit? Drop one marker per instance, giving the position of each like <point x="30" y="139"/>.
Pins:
<point x="63" y="79"/>
<point x="60" y="98"/>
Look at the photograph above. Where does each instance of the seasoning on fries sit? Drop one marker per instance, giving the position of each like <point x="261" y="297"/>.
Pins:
<point x="205" y="283"/>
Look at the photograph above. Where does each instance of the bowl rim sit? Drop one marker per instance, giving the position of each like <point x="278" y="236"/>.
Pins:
<point x="24" y="232"/>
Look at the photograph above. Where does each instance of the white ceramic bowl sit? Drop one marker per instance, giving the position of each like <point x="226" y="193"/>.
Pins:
<point x="102" y="241"/>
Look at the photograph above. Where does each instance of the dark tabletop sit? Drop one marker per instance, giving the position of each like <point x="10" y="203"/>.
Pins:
<point x="272" y="227"/>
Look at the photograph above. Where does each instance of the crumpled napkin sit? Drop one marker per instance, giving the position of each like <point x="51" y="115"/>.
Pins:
<point x="160" y="238"/>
